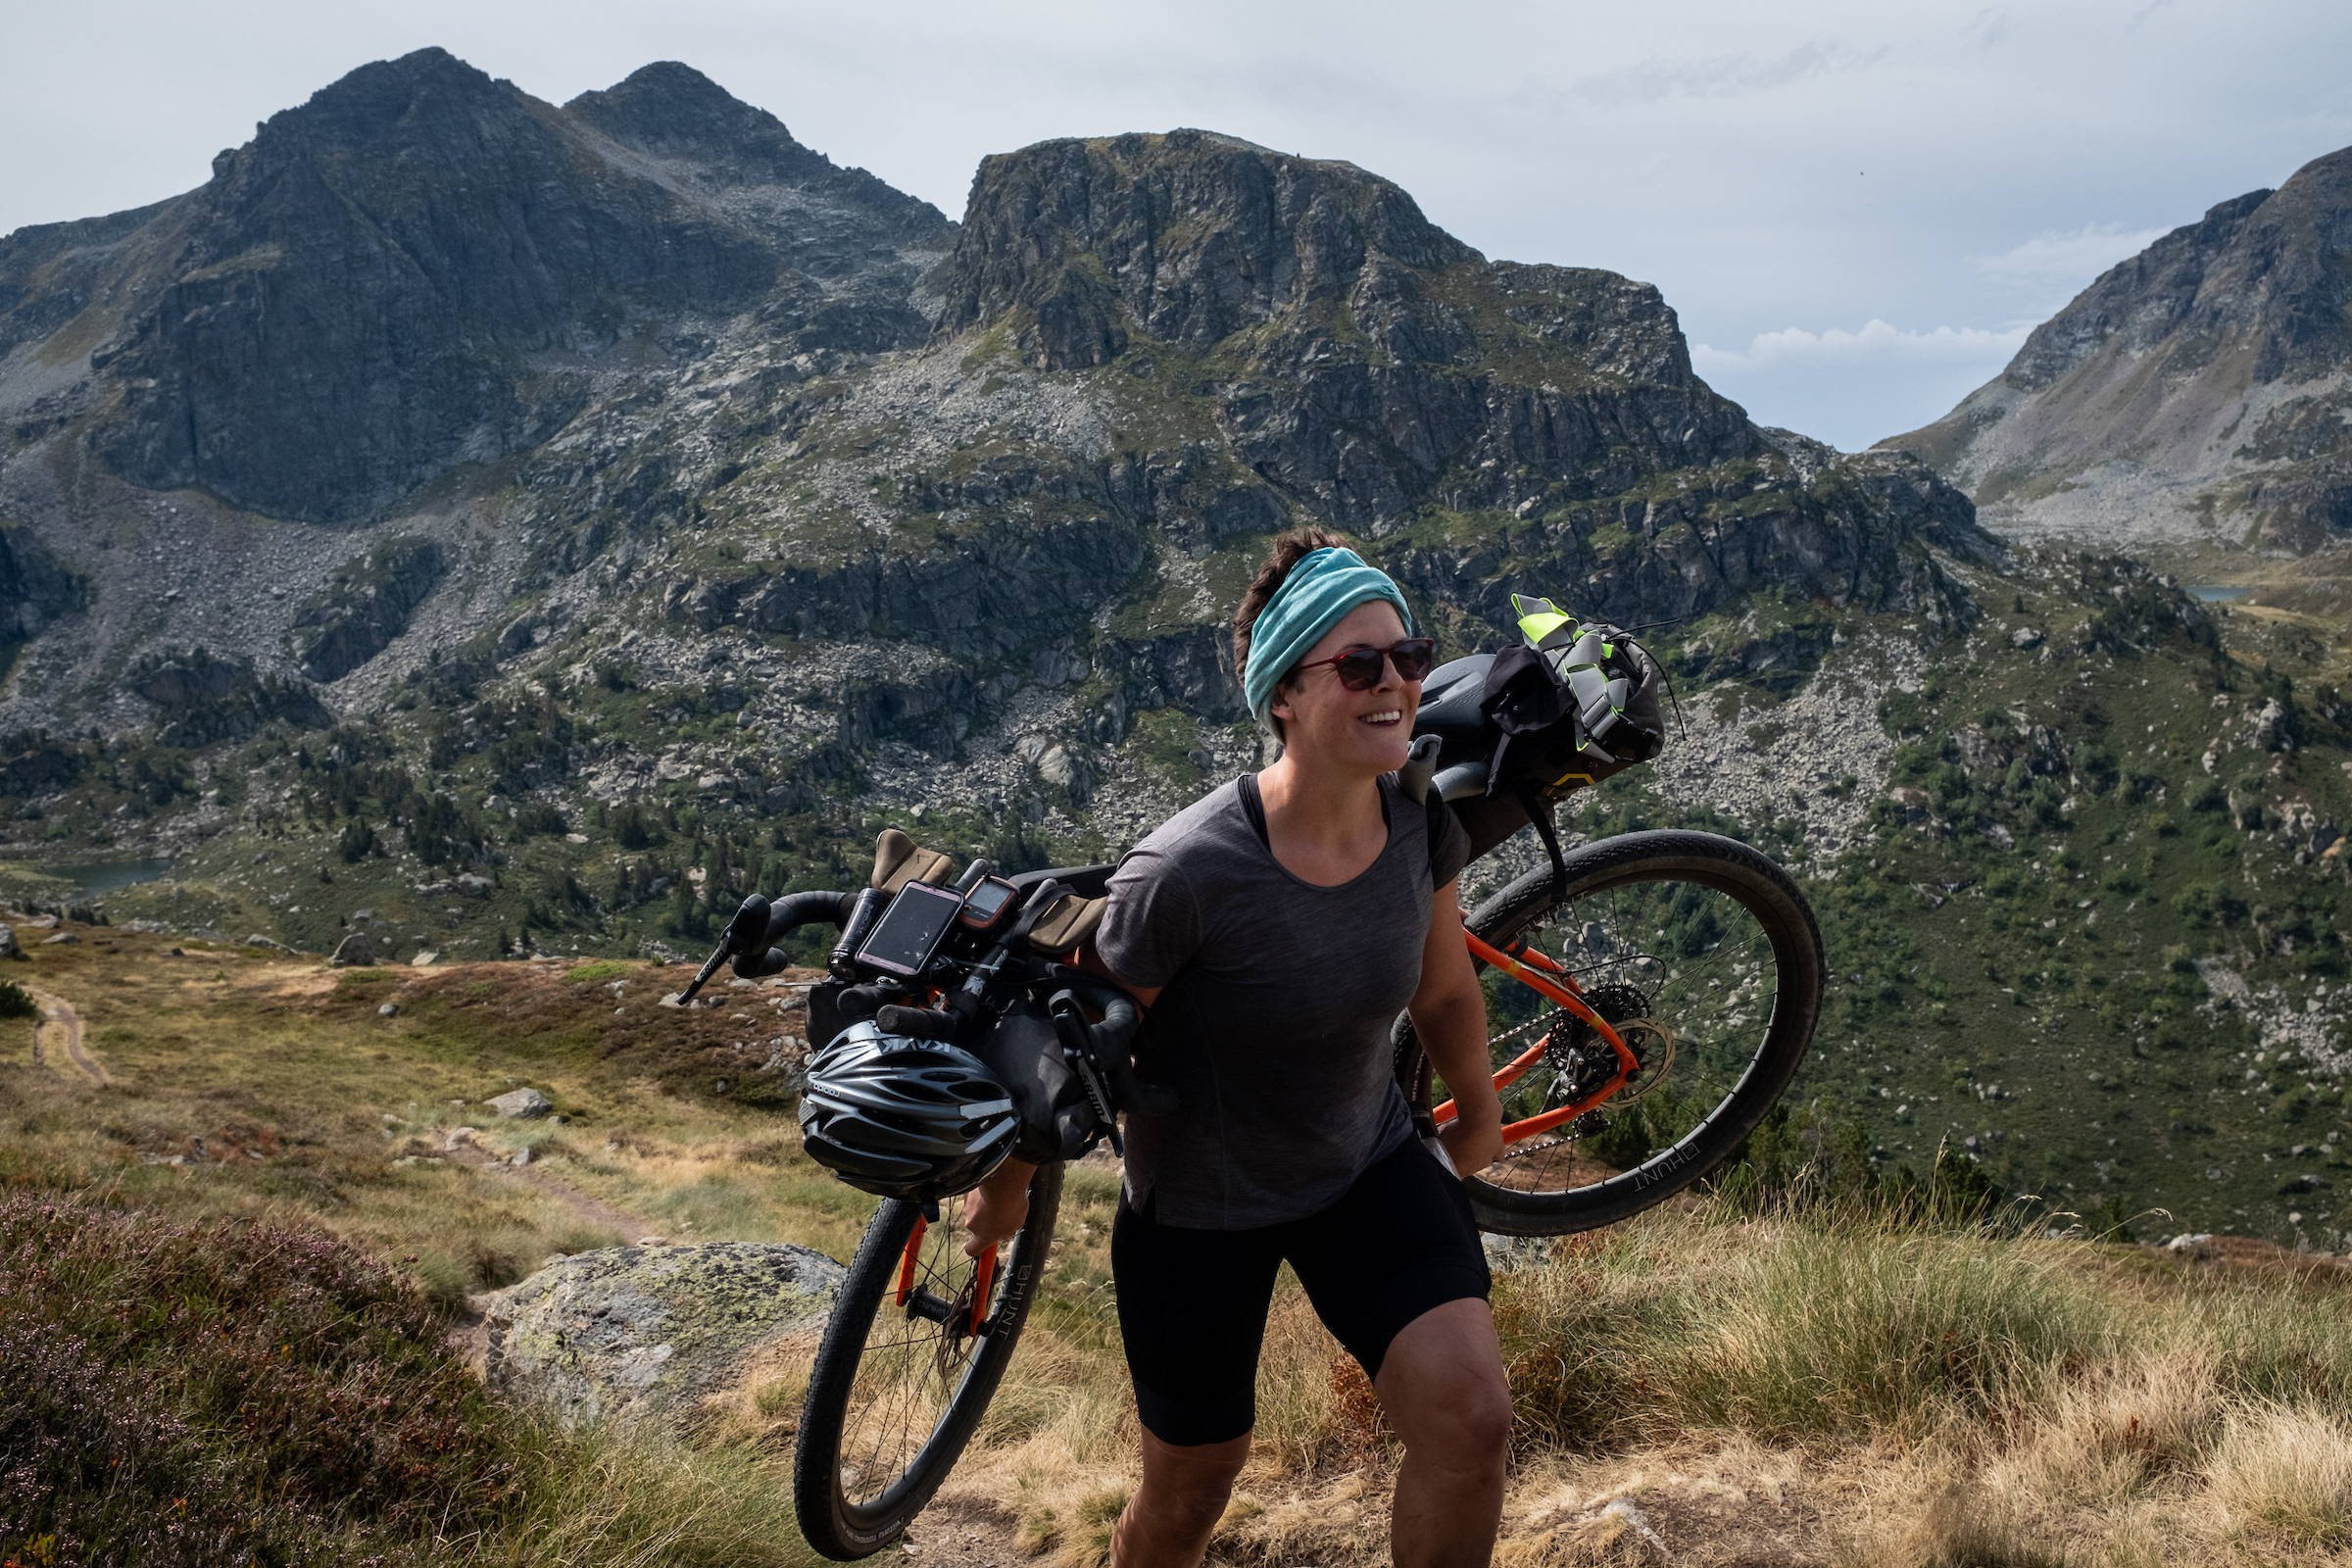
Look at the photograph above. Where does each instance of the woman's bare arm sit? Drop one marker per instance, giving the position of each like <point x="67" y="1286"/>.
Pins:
<point x="1450" y="1015"/>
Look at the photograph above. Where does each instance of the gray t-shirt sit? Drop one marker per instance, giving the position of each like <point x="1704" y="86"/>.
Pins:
<point x="1272" y="1026"/>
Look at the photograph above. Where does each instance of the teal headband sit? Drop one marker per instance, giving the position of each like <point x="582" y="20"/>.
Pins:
<point x="1321" y="588"/>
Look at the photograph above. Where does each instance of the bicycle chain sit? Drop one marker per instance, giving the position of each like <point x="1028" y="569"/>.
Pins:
<point x="1533" y="1146"/>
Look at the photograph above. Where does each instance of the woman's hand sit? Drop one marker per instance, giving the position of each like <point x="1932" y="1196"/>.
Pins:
<point x="998" y="1207"/>
<point x="1473" y="1140"/>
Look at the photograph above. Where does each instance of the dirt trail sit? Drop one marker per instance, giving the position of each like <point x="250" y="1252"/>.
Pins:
<point x="582" y="1207"/>
<point x="61" y="1023"/>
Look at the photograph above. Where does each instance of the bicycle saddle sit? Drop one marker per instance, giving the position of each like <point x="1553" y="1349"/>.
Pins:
<point x="1087" y="881"/>
<point x="1450" y="699"/>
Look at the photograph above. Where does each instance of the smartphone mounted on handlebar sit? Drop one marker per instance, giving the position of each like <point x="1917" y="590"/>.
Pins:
<point x="909" y="933"/>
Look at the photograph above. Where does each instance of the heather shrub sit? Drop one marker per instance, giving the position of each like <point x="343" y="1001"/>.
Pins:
<point x="225" y="1393"/>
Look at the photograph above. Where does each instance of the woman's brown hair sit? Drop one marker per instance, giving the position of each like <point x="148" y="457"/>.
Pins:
<point x="1287" y="550"/>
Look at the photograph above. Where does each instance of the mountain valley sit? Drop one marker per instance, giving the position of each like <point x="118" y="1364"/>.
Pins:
<point x="479" y="526"/>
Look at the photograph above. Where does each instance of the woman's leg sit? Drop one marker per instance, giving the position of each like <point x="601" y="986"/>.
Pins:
<point x="1185" y="1487"/>
<point x="1442" y="1384"/>
<point x="1191" y="1313"/>
<point x="1397" y="1272"/>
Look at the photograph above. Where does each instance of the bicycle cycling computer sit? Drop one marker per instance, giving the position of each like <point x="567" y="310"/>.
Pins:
<point x="986" y="903"/>
<point x="909" y="932"/>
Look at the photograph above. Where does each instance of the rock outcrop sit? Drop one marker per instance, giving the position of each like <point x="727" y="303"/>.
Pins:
<point x="646" y="1333"/>
<point x="2196" y="391"/>
<point x="354" y="300"/>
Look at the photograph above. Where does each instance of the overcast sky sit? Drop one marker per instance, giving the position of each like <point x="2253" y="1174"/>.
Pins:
<point x="1858" y="209"/>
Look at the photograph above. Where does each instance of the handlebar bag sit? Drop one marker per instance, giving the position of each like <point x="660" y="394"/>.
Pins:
<point x="1024" y="1051"/>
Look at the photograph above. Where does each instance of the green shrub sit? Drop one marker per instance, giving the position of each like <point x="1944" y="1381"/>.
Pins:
<point x="16" y="1002"/>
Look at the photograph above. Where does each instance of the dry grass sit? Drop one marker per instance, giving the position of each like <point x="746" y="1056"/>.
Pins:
<point x="1832" y="1388"/>
<point x="1797" y="1389"/>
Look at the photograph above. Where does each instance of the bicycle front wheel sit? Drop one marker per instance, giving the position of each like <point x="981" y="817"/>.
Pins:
<point x="1704" y="957"/>
<point x="913" y="1351"/>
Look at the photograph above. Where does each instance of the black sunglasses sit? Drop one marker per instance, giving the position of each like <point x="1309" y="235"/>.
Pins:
<point x="1358" y="667"/>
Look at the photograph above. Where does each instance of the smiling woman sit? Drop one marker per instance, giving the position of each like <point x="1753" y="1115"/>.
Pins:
<point x="1290" y="1141"/>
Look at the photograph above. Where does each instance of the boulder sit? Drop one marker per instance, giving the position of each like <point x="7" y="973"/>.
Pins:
<point x="61" y="935"/>
<point x="522" y="1104"/>
<point x="8" y="945"/>
<point x="356" y="949"/>
<point x="640" y="1333"/>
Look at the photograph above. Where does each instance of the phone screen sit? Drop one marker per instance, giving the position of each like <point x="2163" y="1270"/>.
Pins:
<point x="985" y="901"/>
<point x="910" y="930"/>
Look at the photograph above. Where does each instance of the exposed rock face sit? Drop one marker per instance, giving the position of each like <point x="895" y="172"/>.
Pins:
<point x="2197" y="389"/>
<point x="34" y="590"/>
<point x="639" y="1333"/>
<point x="1351" y="353"/>
<point x="367" y="609"/>
<point x="199" y="696"/>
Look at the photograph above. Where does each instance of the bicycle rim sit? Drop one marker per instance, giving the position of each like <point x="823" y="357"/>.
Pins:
<point x="900" y="1380"/>
<point x="1704" y="957"/>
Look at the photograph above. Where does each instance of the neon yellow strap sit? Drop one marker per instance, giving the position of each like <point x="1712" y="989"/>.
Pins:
<point x="1538" y="619"/>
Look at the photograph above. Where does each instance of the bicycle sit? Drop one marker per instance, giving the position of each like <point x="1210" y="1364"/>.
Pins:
<point x="1633" y="1059"/>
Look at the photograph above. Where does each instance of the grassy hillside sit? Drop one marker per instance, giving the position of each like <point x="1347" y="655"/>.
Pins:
<point x="1761" y="1376"/>
<point x="2081" y="883"/>
<point x="2079" y="864"/>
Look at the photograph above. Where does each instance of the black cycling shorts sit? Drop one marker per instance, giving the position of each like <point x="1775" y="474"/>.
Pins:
<point x="1193" y="1303"/>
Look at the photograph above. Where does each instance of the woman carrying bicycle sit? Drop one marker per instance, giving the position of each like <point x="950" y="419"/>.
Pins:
<point x="1274" y="929"/>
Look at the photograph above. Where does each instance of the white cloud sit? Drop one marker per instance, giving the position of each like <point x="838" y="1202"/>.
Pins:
<point x="2070" y="257"/>
<point x="1876" y="343"/>
<point x="1732" y="75"/>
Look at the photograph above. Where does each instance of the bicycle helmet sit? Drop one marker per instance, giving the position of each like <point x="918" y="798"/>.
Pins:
<point x="906" y="1119"/>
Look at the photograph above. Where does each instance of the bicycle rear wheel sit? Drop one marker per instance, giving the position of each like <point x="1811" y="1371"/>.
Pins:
<point x="1705" y="959"/>
<point x="902" y="1379"/>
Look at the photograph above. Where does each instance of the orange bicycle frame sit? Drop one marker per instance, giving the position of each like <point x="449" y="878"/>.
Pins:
<point x="1561" y="992"/>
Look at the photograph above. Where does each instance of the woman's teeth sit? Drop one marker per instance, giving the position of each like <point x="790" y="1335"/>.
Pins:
<point x="1389" y="716"/>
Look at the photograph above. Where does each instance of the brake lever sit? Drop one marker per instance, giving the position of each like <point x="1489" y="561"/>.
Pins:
<point x="709" y="967"/>
<point x="745" y="932"/>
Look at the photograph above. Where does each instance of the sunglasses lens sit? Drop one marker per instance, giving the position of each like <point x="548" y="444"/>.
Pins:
<point x="1358" y="668"/>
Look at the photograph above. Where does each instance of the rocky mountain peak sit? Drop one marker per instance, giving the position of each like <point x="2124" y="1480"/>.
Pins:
<point x="715" y="141"/>
<point x="669" y="107"/>
<point x="354" y="302"/>
<point x="2193" y="392"/>
<point x="1189" y="237"/>
<point x="385" y="103"/>
<point x="2138" y="299"/>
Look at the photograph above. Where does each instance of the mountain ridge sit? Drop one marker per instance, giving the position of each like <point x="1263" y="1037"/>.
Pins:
<point x="2191" y="394"/>
<point x="944" y="532"/>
